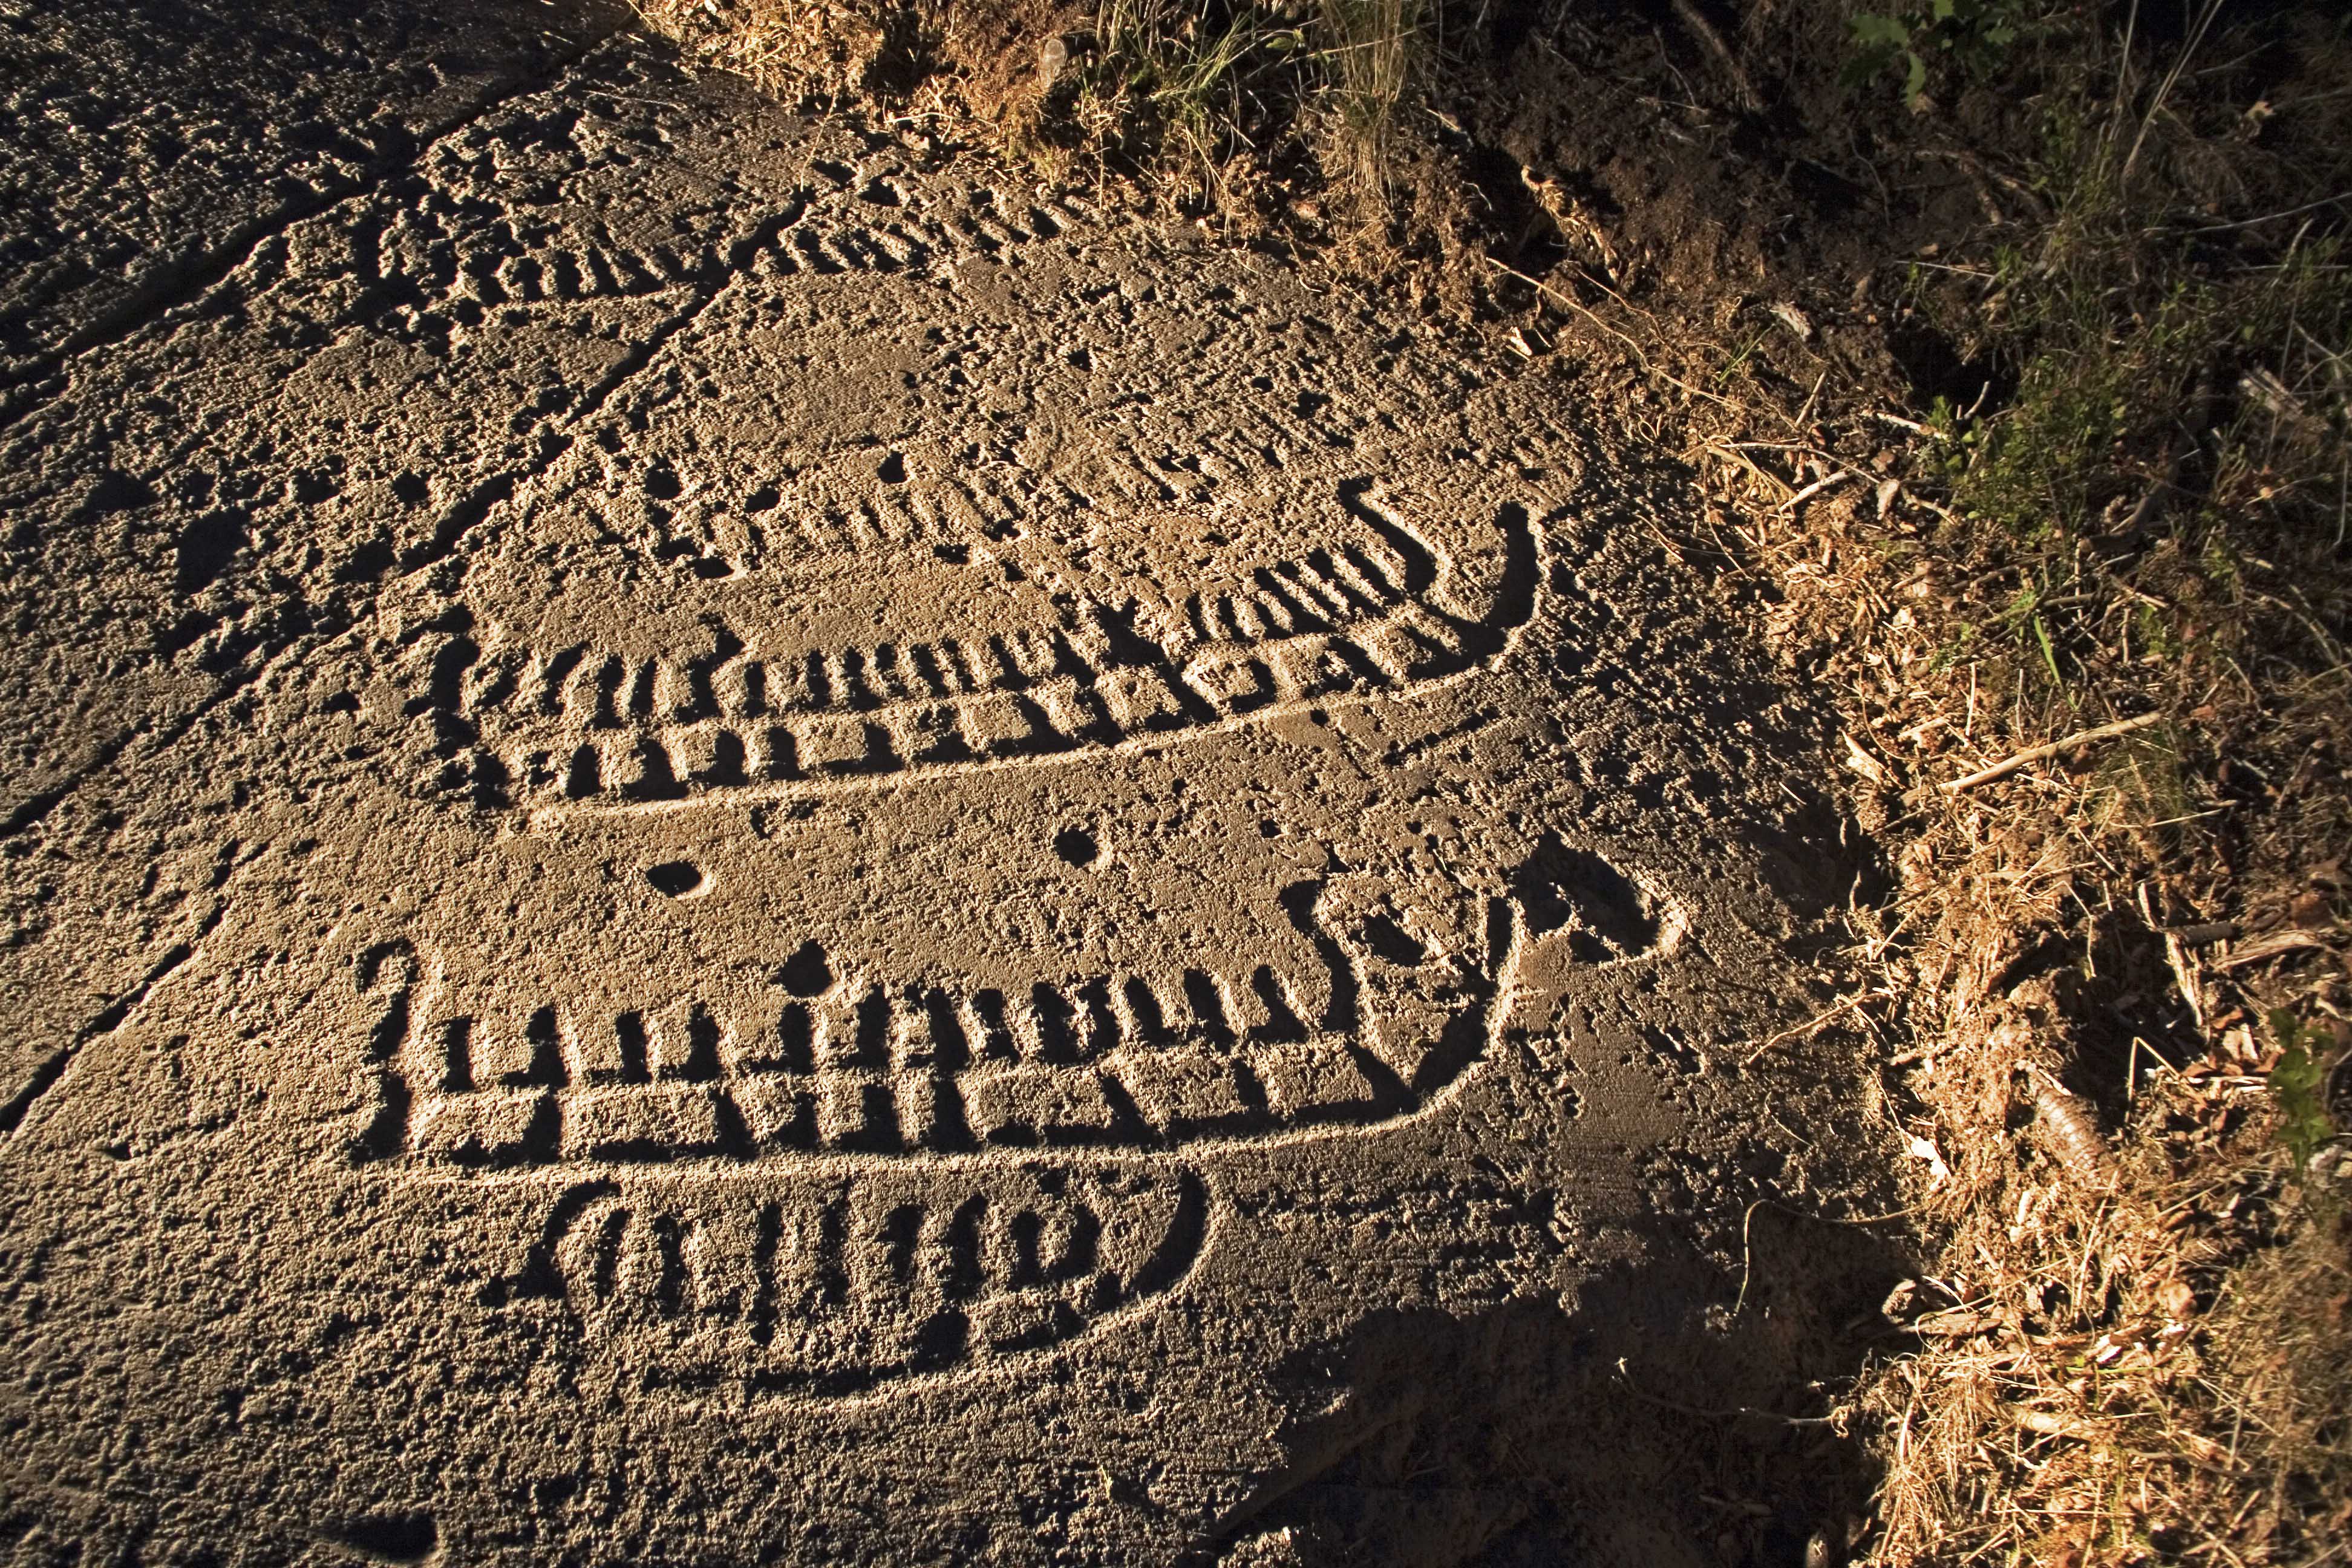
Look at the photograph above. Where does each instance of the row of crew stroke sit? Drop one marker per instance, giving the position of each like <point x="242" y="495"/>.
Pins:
<point x="583" y="687"/>
<point x="834" y="1291"/>
<point x="1100" y="1062"/>
<point x="849" y="1026"/>
<point x="1053" y="715"/>
<point x="1135" y="1097"/>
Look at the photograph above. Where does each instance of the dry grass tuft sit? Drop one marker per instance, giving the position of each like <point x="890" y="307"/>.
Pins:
<point x="793" y="48"/>
<point x="1247" y="112"/>
<point x="1371" y="49"/>
<point x="2082" y="1390"/>
<point x="2133" y="1343"/>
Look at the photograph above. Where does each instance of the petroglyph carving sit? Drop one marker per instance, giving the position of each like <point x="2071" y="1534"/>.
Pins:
<point x="837" y="1287"/>
<point x="460" y="246"/>
<point x="818" y="1064"/>
<point x="749" y="711"/>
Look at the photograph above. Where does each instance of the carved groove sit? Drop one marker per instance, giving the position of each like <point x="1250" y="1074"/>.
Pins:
<point x="579" y="727"/>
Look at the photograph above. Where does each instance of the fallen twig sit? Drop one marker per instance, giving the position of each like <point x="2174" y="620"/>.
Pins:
<point x="2009" y="765"/>
<point x="2277" y="944"/>
<point x="2051" y="1424"/>
<point x="1808" y="1026"/>
<point x="1816" y="487"/>
<point x="2184" y="974"/>
<point x="1625" y="1377"/>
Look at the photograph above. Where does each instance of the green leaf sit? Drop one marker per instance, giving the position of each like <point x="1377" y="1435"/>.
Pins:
<point x="2296" y="1088"/>
<point x="2049" y="654"/>
<point x="1869" y="64"/>
<point x="1884" y="32"/>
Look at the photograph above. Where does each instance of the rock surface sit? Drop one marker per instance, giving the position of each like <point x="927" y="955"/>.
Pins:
<point x="730" y="839"/>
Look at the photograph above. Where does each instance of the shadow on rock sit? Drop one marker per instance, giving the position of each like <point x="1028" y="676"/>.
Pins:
<point x="1647" y="1425"/>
